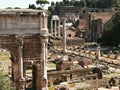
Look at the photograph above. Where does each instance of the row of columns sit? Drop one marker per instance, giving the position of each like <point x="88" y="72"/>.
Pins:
<point x="55" y="29"/>
<point x="55" y="26"/>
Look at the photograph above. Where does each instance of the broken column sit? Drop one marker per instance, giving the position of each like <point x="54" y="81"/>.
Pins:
<point x="116" y="56"/>
<point x="110" y="53"/>
<point x="98" y="52"/>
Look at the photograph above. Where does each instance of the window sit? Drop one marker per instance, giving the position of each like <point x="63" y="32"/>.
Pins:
<point x="69" y="35"/>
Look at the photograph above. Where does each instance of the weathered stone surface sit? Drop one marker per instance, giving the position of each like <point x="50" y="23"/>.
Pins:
<point x="24" y="34"/>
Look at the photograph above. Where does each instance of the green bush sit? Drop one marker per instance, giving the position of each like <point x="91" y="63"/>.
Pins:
<point x="5" y="83"/>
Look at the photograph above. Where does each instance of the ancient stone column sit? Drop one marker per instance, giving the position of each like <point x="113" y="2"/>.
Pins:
<point x="51" y="32"/>
<point x="64" y="35"/>
<point x="21" y="56"/>
<point x="46" y="54"/>
<point x="21" y="79"/>
<point x="55" y="27"/>
<point x="59" y="28"/>
<point x="45" y="63"/>
<point x="44" y="34"/>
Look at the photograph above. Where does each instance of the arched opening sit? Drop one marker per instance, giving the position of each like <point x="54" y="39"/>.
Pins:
<point x="6" y="70"/>
<point x="5" y="62"/>
<point x="28" y="76"/>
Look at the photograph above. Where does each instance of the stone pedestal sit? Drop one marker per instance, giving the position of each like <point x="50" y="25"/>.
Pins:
<point x="21" y="84"/>
<point x="98" y="52"/>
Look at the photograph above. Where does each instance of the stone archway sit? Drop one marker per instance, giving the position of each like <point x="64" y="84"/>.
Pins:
<point x="32" y="54"/>
<point x="24" y="34"/>
<point x="11" y="44"/>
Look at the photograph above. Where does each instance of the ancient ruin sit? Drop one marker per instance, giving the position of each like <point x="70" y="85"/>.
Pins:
<point x="24" y="34"/>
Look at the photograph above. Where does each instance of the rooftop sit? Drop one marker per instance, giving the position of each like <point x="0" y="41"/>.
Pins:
<point x="105" y="16"/>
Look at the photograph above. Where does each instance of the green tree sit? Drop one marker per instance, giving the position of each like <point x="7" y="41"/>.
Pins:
<point x="39" y="8"/>
<point x="57" y="3"/>
<point x="32" y="6"/>
<point x="8" y="7"/>
<point x="111" y="37"/>
<point x="5" y="83"/>
<point x="82" y="3"/>
<point x="72" y="2"/>
<point x="17" y="8"/>
<point x="52" y="3"/>
<point x="42" y="3"/>
<point x="66" y="2"/>
<point x="61" y="3"/>
<point x="88" y="3"/>
<point x="77" y="3"/>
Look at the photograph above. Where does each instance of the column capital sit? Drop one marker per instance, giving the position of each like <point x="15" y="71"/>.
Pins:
<point x="21" y="42"/>
<point x="20" y="39"/>
<point x="44" y="32"/>
<point x="45" y="40"/>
